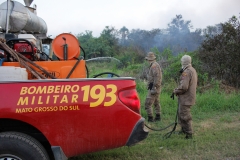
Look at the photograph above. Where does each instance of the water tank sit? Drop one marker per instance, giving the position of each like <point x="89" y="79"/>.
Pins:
<point x="21" y="18"/>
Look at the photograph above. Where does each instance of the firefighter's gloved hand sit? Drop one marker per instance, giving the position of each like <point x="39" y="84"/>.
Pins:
<point x="153" y="91"/>
<point x="175" y="91"/>
<point x="172" y="96"/>
<point x="150" y="86"/>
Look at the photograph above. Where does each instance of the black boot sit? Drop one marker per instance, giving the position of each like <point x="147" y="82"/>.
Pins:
<point x="150" y="119"/>
<point x="158" y="117"/>
<point x="188" y="136"/>
<point x="182" y="131"/>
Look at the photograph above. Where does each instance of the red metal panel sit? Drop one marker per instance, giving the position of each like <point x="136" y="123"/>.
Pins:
<point x="80" y="116"/>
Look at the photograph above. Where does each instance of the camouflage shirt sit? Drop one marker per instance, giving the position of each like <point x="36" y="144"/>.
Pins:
<point x="155" y="74"/>
<point x="186" y="90"/>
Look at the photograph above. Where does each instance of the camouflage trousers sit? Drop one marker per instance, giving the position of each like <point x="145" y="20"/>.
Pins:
<point x="152" y="100"/>
<point x="185" y="118"/>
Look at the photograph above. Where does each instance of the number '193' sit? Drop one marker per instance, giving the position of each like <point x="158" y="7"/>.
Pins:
<point x="98" y="92"/>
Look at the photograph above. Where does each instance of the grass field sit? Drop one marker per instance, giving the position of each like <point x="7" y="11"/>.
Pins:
<point x="216" y="138"/>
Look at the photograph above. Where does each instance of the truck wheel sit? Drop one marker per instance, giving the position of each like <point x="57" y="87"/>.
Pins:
<point x="20" y="146"/>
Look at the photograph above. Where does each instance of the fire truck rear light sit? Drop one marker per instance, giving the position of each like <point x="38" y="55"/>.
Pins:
<point x="130" y="99"/>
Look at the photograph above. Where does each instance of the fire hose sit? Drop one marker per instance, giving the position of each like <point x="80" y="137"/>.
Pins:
<point x="167" y="135"/>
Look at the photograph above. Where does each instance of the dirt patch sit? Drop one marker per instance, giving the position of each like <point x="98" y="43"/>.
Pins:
<point x="222" y="88"/>
<point x="227" y="89"/>
<point x="206" y="125"/>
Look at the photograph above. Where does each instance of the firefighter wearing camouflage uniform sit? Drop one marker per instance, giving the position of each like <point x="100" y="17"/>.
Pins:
<point x="186" y="92"/>
<point x="154" y="78"/>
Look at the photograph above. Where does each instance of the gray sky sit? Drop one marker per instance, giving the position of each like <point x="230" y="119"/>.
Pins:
<point x="77" y="16"/>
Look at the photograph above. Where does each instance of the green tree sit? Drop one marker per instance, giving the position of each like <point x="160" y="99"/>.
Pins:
<point x="87" y="42"/>
<point x="143" y="39"/>
<point x="109" y="37"/>
<point x="124" y="32"/>
<point x="220" y="53"/>
<point x="178" y="25"/>
<point x="105" y="45"/>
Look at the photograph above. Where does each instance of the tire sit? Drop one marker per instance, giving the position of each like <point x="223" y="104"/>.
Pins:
<point x="20" y="146"/>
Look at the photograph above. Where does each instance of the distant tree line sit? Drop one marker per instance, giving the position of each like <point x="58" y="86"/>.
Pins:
<point x="111" y="42"/>
<point x="216" y="48"/>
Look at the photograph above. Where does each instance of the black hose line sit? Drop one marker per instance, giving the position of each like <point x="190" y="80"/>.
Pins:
<point x="87" y="71"/>
<point x="43" y="53"/>
<point x="84" y="54"/>
<point x="167" y="135"/>
<point x="109" y="73"/>
<point x="160" y="129"/>
<point x="74" y="67"/>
